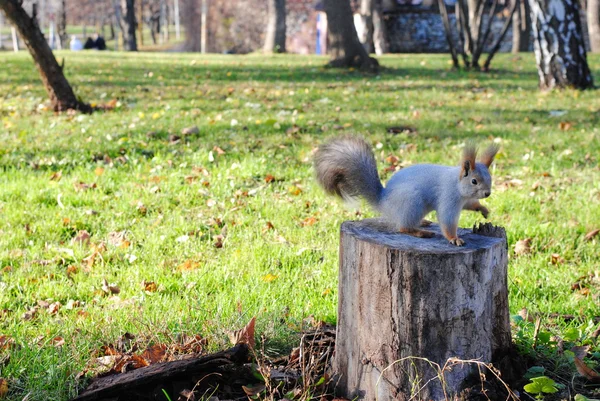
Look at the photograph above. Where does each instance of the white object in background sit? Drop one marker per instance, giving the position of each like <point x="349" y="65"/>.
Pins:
<point x="15" y="39"/>
<point x="75" y="44"/>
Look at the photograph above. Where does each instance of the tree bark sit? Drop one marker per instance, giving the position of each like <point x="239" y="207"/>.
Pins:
<point x="593" y="21"/>
<point x="366" y="27"/>
<point x="407" y="303"/>
<point x="521" y="27"/>
<point x="559" y="45"/>
<point x="130" y="41"/>
<point x="448" y="31"/>
<point x="344" y="46"/>
<point x="380" y="34"/>
<point x="62" y="25"/>
<point x="60" y="92"/>
<point x="276" y="27"/>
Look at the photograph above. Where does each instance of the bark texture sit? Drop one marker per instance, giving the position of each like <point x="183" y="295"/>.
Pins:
<point x="276" y="27"/>
<point x="558" y="44"/>
<point x="367" y="28"/>
<point x="60" y="92"/>
<point x="130" y="41"/>
<point x="344" y="46"/>
<point x="593" y="21"/>
<point x="521" y="27"/>
<point x="401" y="296"/>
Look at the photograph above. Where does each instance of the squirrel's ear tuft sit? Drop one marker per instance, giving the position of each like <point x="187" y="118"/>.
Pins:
<point x="488" y="155"/>
<point x="468" y="159"/>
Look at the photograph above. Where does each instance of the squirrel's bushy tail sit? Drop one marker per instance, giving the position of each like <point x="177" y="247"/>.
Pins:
<point x="346" y="167"/>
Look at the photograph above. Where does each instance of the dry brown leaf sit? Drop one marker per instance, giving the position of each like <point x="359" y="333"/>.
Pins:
<point x="56" y="176"/>
<point x="254" y="390"/>
<point x="190" y="130"/>
<point x="150" y="286"/>
<point x="586" y="371"/>
<point x="188" y="265"/>
<point x="58" y="341"/>
<point x="245" y="335"/>
<point x="523" y="247"/>
<point x="580" y="351"/>
<point x="309" y="221"/>
<point x="6" y="342"/>
<point x="110" y="288"/>
<point x="117" y="238"/>
<point x="3" y="388"/>
<point x="54" y="308"/>
<point x="269" y="178"/>
<point x="565" y="125"/>
<point x="155" y="353"/>
<point x="556" y="259"/>
<point x="591" y="234"/>
<point x="82" y="237"/>
<point x="72" y="270"/>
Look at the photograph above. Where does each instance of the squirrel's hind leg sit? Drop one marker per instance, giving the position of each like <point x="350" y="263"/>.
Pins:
<point x="415" y="232"/>
<point x="426" y="223"/>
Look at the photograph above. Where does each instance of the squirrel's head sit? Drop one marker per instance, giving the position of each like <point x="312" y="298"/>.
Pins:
<point x="475" y="178"/>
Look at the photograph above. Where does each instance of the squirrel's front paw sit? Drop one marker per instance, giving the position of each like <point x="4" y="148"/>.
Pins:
<point x="484" y="211"/>
<point x="457" y="241"/>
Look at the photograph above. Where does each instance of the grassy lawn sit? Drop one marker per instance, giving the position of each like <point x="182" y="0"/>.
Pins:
<point x="228" y="223"/>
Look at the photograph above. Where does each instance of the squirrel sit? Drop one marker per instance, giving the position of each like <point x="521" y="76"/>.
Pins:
<point x="346" y="167"/>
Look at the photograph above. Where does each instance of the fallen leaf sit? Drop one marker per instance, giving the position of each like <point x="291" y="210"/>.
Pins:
<point x="3" y="387"/>
<point x="254" y="390"/>
<point x="591" y="234"/>
<point x="580" y="351"/>
<point x="309" y="221"/>
<point x="58" y="341"/>
<point x="117" y="238"/>
<point x="155" y="353"/>
<point x="190" y="130"/>
<point x="56" y="176"/>
<point x="99" y="171"/>
<point x="565" y="125"/>
<point x="556" y="259"/>
<point x="110" y="288"/>
<point x="523" y="247"/>
<point x="586" y="371"/>
<point x="294" y="190"/>
<point x="6" y="342"/>
<point x="269" y="277"/>
<point x="269" y="178"/>
<point x="150" y="286"/>
<point x="188" y="265"/>
<point x="82" y="237"/>
<point x="245" y="335"/>
<point x="53" y="308"/>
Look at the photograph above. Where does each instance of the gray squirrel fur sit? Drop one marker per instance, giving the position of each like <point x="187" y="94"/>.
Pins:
<point x="346" y="167"/>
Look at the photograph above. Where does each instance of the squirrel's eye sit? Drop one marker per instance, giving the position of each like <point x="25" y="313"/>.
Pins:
<point x="474" y="181"/>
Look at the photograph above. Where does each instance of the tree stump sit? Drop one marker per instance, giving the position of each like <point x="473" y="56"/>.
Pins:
<point x="408" y="303"/>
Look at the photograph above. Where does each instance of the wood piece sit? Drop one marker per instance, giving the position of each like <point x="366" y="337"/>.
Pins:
<point x="124" y="385"/>
<point x="402" y="298"/>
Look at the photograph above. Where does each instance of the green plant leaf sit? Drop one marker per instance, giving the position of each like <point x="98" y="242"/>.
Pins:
<point x="534" y="371"/>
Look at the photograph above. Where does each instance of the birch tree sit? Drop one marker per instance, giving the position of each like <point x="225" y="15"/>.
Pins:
<point x="558" y="44"/>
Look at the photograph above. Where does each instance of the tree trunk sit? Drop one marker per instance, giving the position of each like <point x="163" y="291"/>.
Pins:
<point x="365" y="28"/>
<point x="344" y="47"/>
<point x="380" y="34"/>
<point x="60" y="92"/>
<point x="446" y="21"/>
<point x="130" y="42"/>
<point x="408" y="303"/>
<point x="559" y="45"/>
<point x="593" y="21"/>
<point x="521" y="27"/>
<point x="276" y="26"/>
<point x="191" y="19"/>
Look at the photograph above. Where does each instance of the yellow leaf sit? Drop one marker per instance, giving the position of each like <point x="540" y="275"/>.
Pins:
<point x="269" y="277"/>
<point x="99" y="171"/>
<point x="155" y="116"/>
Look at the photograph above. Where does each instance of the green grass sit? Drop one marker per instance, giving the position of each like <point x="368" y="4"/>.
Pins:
<point x="160" y="192"/>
